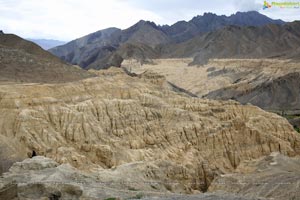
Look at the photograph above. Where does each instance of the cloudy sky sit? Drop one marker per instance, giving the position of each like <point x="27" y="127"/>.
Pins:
<point x="70" y="19"/>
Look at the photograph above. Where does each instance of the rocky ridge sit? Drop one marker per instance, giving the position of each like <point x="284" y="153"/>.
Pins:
<point x="24" y="61"/>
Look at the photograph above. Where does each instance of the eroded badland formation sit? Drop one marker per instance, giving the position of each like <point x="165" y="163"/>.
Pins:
<point x="156" y="129"/>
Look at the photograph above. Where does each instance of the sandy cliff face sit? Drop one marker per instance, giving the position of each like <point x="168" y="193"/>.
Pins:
<point x="114" y="120"/>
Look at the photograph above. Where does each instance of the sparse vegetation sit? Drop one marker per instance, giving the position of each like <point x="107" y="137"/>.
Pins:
<point x="291" y="117"/>
<point x="111" y="198"/>
<point x="297" y="129"/>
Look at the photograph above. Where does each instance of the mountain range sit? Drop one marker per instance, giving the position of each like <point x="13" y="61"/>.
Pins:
<point x="183" y="30"/>
<point x="269" y="41"/>
<point x="146" y="40"/>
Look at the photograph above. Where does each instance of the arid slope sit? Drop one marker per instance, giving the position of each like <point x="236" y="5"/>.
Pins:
<point x="24" y="61"/>
<point x="271" y="84"/>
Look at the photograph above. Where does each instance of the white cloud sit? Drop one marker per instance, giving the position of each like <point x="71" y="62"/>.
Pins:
<point x="247" y="5"/>
<point x="69" y="19"/>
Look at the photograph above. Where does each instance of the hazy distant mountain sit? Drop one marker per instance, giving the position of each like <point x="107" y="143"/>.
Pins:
<point x="145" y="39"/>
<point x="47" y="44"/>
<point x="24" y="61"/>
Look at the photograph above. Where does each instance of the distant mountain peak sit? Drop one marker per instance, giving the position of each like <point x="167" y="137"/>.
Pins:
<point x="205" y="15"/>
<point x="209" y="14"/>
<point x="142" y="23"/>
<point x="1" y="32"/>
